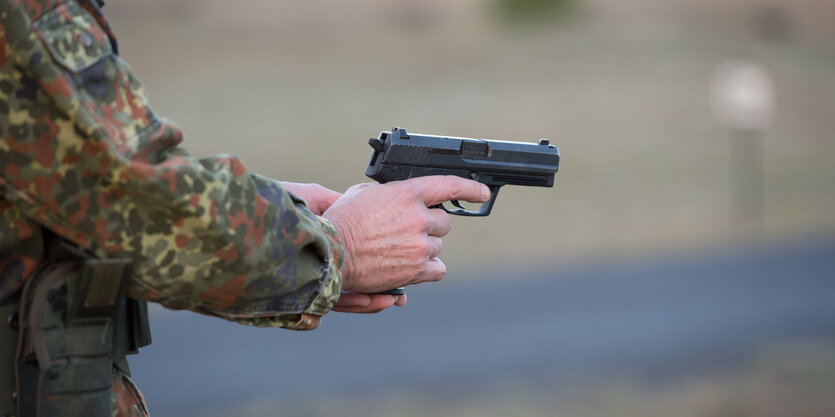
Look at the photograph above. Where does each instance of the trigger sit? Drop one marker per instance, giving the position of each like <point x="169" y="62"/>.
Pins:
<point x="456" y="203"/>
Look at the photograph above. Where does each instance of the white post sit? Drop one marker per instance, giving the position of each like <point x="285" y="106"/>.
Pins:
<point x="742" y="98"/>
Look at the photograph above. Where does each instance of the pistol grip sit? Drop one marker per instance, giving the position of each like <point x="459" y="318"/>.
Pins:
<point x="484" y="210"/>
<point x="393" y="291"/>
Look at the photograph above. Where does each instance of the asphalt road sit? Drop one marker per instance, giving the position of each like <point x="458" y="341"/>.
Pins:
<point x="665" y="317"/>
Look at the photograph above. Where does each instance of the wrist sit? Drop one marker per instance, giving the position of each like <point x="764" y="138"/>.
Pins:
<point x="345" y="237"/>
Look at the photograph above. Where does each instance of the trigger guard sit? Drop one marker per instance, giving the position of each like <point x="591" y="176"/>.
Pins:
<point x="484" y="210"/>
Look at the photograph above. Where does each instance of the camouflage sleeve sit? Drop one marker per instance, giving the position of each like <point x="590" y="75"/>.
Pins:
<point x="83" y="154"/>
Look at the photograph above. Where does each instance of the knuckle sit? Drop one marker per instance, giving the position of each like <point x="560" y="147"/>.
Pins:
<point x="415" y="253"/>
<point x="423" y="249"/>
<point x="427" y="275"/>
<point x="429" y="219"/>
<point x="454" y="186"/>
<point x="412" y="189"/>
<point x="446" y="221"/>
<point x="434" y="245"/>
<point x="418" y="223"/>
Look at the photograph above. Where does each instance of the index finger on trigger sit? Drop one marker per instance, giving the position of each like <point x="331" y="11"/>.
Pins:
<point x="438" y="189"/>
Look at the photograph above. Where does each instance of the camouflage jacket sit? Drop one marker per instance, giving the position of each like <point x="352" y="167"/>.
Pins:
<point x="84" y="155"/>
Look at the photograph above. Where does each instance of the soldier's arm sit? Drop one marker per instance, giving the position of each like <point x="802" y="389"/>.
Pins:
<point x="85" y="156"/>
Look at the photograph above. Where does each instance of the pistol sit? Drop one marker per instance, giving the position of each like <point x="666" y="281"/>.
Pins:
<point x="398" y="155"/>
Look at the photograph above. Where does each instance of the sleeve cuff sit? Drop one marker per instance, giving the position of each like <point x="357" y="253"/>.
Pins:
<point x="333" y="282"/>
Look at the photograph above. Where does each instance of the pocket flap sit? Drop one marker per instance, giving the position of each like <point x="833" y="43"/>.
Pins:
<point x="73" y="36"/>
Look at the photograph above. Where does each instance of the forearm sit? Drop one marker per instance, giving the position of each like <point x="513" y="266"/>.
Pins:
<point x="88" y="158"/>
<point x="201" y="234"/>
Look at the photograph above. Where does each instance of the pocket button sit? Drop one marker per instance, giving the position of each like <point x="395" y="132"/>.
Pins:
<point x="86" y="39"/>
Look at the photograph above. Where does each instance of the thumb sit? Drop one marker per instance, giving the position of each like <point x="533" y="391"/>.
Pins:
<point x="329" y="197"/>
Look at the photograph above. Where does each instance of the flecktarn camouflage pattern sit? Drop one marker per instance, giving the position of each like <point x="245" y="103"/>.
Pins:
<point x="84" y="155"/>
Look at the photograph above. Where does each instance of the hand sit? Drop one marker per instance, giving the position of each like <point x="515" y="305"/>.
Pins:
<point x="391" y="237"/>
<point x="318" y="198"/>
<point x="354" y="302"/>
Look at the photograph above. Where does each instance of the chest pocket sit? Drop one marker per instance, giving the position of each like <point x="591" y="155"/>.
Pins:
<point x="109" y="93"/>
<point x="74" y="38"/>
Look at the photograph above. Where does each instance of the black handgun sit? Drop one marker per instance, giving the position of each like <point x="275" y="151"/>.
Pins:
<point x="398" y="155"/>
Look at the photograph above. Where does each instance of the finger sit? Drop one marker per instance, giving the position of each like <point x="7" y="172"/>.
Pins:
<point x="329" y="197"/>
<point x="439" y="223"/>
<point x="355" y="310"/>
<point x="322" y="200"/>
<point x="400" y="300"/>
<point x="353" y="299"/>
<point x="438" y="189"/>
<point x="382" y="301"/>
<point x="379" y="302"/>
<point x="435" y="245"/>
<point x="434" y="270"/>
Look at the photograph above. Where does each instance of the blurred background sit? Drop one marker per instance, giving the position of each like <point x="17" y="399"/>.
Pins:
<point x="684" y="263"/>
